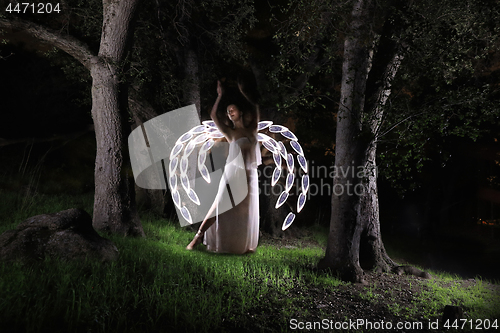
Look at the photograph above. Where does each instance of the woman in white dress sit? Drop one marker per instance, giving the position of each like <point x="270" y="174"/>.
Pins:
<point x="236" y="230"/>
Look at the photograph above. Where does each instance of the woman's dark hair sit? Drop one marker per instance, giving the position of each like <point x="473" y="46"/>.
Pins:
<point x="232" y="95"/>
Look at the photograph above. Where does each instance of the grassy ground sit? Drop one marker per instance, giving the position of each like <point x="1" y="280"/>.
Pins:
<point x="158" y="286"/>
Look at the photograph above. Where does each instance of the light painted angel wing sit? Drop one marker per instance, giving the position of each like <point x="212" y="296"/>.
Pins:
<point x="199" y="139"/>
<point x="202" y="137"/>
<point x="276" y="140"/>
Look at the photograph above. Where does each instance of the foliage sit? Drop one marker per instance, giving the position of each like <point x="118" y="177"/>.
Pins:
<point x="446" y="86"/>
<point x="307" y="53"/>
<point x="302" y="68"/>
<point x="83" y="20"/>
<point x="213" y="30"/>
<point x="164" y="31"/>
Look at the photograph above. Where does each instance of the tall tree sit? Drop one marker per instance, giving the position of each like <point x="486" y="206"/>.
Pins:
<point x="342" y="253"/>
<point x="114" y="208"/>
<point x="366" y="80"/>
<point x="371" y="61"/>
<point x="114" y="204"/>
<point x="309" y="52"/>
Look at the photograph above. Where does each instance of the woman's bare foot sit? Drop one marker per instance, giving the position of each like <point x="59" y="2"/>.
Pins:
<point x="198" y="238"/>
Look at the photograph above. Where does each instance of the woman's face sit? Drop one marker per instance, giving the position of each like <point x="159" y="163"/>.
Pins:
<point x="233" y="113"/>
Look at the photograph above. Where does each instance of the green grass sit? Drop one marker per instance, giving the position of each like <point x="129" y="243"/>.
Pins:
<point x="158" y="286"/>
<point x="15" y="207"/>
<point x="155" y="285"/>
<point x="477" y="299"/>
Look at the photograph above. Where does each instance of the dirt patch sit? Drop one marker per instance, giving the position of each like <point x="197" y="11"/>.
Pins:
<point x="385" y="299"/>
<point x="370" y="302"/>
<point x="384" y="302"/>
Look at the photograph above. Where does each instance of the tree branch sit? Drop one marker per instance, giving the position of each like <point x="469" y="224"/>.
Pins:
<point x="71" y="45"/>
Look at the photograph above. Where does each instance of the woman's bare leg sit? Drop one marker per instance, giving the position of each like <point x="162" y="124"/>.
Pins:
<point x="201" y="231"/>
<point x="207" y="223"/>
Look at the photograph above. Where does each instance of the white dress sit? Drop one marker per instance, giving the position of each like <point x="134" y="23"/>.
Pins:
<point x="237" y="230"/>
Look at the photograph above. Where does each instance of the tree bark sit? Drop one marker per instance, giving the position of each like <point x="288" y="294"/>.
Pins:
<point x="342" y="252"/>
<point x="372" y="251"/>
<point x="114" y="203"/>
<point x="355" y="238"/>
<point x="192" y="79"/>
<point x="375" y="255"/>
<point x="384" y="67"/>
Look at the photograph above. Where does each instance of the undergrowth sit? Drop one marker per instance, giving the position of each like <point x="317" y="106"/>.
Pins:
<point x="158" y="286"/>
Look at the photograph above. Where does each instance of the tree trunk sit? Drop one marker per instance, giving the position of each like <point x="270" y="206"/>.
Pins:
<point x="355" y="238"/>
<point x="114" y="202"/>
<point x="141" y="111"/>
<point x="372" y="251"/>
<point x="342" y="252"/>
<point x="384" y="67"/>
<point x="192" y="80"/>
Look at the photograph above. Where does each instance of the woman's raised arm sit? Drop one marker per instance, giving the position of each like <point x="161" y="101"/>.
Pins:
<point x="252" y="98"/>
<point x="213" y="114"/>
